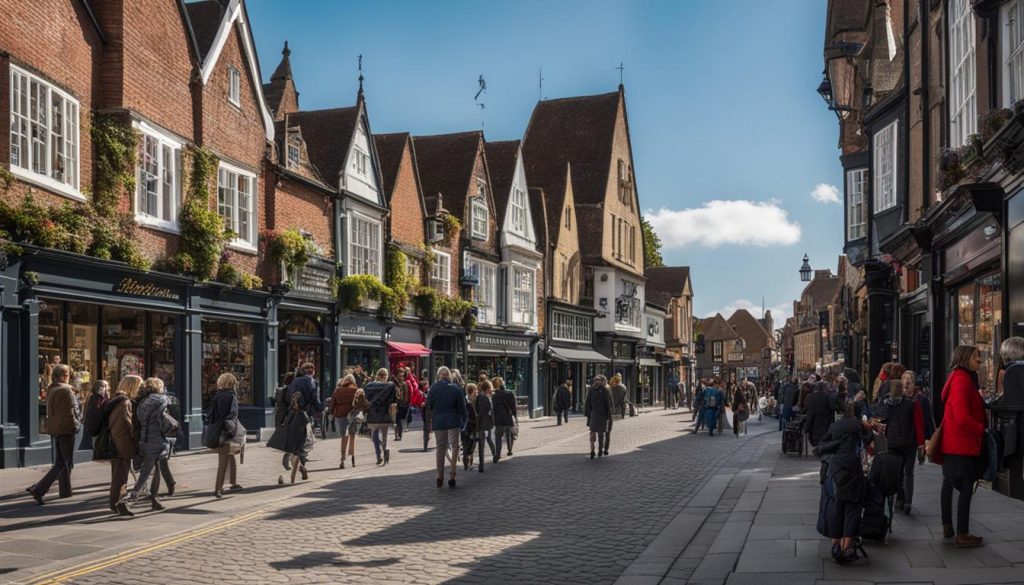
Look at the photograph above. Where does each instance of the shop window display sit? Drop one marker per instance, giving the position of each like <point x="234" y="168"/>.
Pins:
<point x="228" y="348"/>
<point x="978" y="312"/>
<point x="514" y="371"/>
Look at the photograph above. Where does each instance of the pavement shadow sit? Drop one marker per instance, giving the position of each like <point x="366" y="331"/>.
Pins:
<point x="327" y="559"/>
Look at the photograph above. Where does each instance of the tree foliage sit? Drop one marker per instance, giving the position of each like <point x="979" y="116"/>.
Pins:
<point x="652" y="245"/>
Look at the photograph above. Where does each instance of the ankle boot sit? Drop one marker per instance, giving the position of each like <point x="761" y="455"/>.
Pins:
<point x="967" y="540"/>
<point x="947" y="531"/>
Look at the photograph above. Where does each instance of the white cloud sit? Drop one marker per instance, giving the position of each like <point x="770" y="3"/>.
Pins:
<point x="825" y="193"/>
<point x="751" y="223"/>
<point x="780" y="312"/>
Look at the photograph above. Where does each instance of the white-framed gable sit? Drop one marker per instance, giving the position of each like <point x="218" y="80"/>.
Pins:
<point x="359" y="176"/>
<point x="233" y="14"/>
<point x="518" y="229"/>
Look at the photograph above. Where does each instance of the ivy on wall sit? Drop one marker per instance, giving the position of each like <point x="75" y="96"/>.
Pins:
<point x="291" y="248"/>
<point x="204" y="235"/>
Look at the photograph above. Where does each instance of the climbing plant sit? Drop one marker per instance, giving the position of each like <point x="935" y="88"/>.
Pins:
<point x="203" y="232"/>
<point x="291" y="248"/>
<point x="452" y="226"/>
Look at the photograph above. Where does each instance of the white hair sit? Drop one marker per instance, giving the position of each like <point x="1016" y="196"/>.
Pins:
<point x="1012" y="349"/>
<point x="443" y="373"/>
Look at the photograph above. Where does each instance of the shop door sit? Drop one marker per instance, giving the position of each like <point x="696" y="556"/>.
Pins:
<point x="303" y="342"/>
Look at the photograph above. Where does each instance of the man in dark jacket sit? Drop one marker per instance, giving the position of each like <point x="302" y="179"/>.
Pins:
<point x="562" y="400"/>
<point x="819" y="411"/>
<point x="63" y="421"/>
<point x="506" y="419"/>
<point x="382" y="395"/>
<point x="787" y="398"/>
<point x="308" y="389"/>
<point x="904" y="432"/>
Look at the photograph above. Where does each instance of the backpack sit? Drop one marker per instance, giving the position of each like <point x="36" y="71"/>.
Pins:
<point x="93" y="421"/>
<point x="711" y="399"/>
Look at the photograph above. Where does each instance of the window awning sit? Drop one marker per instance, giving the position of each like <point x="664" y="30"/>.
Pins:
<point x="649" y="363"/>
<point x="407" y="349"/>
<point x="565" y="354"/>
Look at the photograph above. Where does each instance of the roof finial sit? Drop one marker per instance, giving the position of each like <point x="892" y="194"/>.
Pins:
<point x="540" y="85"/>
<point x="360" y="74"/>
<point x="621" y="68"/>
<point x="286" y="51"/>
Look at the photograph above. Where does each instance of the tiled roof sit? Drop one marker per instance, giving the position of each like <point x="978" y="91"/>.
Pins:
<point x="274" y="90"/>
<point x="750" y="330"/>
<point x="665" y="282"/>
<point x="205" y="17"/>
<point x="501" y="164"/>
<point x="717" y="328"/>
<point x="539" y="213"/>
<point x="822" y="289"/>
<point x="389" y="152"/>
<point x="328" y="136"/>
<point x="306" y="167"/>
<point x="445" y="163"/>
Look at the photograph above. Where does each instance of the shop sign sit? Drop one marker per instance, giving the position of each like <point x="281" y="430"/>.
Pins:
<point x="130" y="286"/>
<point x="361" y="329"/>
<point x="312" y="279"/>
<point x="485" y="342"/>
<point x="735" y="357"/>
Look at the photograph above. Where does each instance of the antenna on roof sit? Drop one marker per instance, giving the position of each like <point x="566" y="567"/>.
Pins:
<point x="360" y="74"/>
<point x="482" y="83"/>
<point x="762" y="306"/>
<point x="621" y="69"/>
<point x="540" y="85"/>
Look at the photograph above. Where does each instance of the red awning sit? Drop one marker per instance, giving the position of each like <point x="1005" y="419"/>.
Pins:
<point x="407" y="349"/>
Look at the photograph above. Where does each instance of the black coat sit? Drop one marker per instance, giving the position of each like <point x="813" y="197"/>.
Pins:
<point x="290" y="437"/>
<point x="381" y="396"/>
<point x="598" y="409"/>
<point x="563" y="399"/>
<point x="504" y="408"/>
<point x="484" y="412"/>
<point x="842" y="441"/>
<point x="820" y="415"/>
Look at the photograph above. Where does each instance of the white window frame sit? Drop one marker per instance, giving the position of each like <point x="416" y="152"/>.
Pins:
<point x="518" y="203"/>
<point x="365" y="234"/>
<point x="571" y="327"/>
<point x="21" y="85"/>
<point x="520" y="315"/>
<point x="1012" y="16"/>
<point x="963" y="80"/>
<point x="478" y="215"/>
<point x="234" y="85"/>
<point x="293" y="154"/>
<point x="716" y="351"/>
<point x="856" y="205"/>
<point x="360" y="162"/>
<point x="485" y="296"/>
<point x="441" y="272"/>
<point x="883" y="145"/>
<point x="234" y="175"/>
<point x="164" y="143"/>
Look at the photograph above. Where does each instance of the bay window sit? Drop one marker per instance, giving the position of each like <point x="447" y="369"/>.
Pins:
<point x="884" y="147"/>
<point x="963" y="109"/>
<point x="523" y="298"/>
<point x="44" y="134"/>
<point x="856" y="212"/>
<point x="236" y="203"/>
<point x="484" y="292"/>
<point x="364" y="246"/>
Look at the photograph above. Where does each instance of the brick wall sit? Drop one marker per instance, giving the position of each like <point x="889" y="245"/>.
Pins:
<point x="297" y="206"/>
<point x="406" y="220"/>
<point x="62" y="49"/>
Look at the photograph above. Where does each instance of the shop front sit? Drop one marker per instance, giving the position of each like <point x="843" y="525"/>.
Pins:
<point x="103" y="320"/>
<point x="405" y="349"/>
<point x="447" y="348"/>
<point x="623" y="354"/>
<point x="306" y="328"/>
<point x="508" y="356"/>
<point x="361" y="339"/>
<point x="570" y="354"/>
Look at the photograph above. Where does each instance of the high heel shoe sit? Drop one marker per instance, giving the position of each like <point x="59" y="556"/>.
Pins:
<point x="353" y="461"/>
<point x="440" y="481"/>
<point x="451" y="482"/>
<point x="305" y="474"/>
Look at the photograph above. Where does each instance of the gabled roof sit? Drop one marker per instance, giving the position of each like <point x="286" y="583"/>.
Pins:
<point x="821" y="289"/>
<point x="750" y="329"/>
<point x="445" y="163"/>
<point x="539" y="213"/>
<point x="579" y="131"/>
<point x="211" y="23"/>
<point x="389" y="151"/>
<point x="501" y="164"/>
<point x="328" y="135"/>
<point x="307" y="170"/>
<point x="665" y="282"/>
<point x="717" y="328"/>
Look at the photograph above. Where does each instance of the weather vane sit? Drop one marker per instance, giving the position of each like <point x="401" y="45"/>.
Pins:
<point x="482" y="83"/>
<point x="621" y="68"/>
<point x="360" y="65"/>
<point x="540" y="84"/>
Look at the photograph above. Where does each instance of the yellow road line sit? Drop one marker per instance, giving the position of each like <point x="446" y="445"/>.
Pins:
<point x="65" y="574"/>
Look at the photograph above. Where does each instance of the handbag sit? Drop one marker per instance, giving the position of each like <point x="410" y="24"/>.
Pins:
<point x="307" y="445"/>
<point x="933" y="451"/>
<point x="212" y="434"/>
<point x="393" y="412"/>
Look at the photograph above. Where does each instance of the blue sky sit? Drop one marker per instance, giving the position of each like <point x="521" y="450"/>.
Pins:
<point x="730" y="141"/>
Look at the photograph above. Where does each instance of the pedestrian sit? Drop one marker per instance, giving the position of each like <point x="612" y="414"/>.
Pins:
<point x="359" y="375"/>
<point x="402" y="399"/>
<point x="762" y="405"/>
<point x="469" y="432"/>
<point x="819" y="413"/>
<point x="893" y="384"/>
<point x="92" y="412"/>
<point x="164" y="463"/>
<point x="619" y="393"/>
<point x="842" y="491"/>
<point x="713" y="401"/>
<point x="425" y="415"/>
<point x="448" y="417"/>
<point x="223" y="413"/>
<point x="506" y="418"/>
<point x="904" y="434"/>
<point x="116" y="439"/>
<point x="414" y="391"/>
<point x="740" y="407"/>
<point x="806" y="389"/>
<point x="342" y="404"/>
<point x="561" y="401"/>
<point x="787" y="398"/>
<point x="308" y="389"/>
<point x="599" y="410"/>
<point x="961" y="433"/>
<point x="484" y="405"/>
<point x="383" y="407"/>
<point x="697" y="414"/>
<point x="281" y="404"/>
<point x="156" y="426"/>
<point x="457" y="378"/>
<point x="63" y="421"/>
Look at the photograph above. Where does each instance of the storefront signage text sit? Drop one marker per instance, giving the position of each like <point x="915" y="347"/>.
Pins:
<point x="361" y="330"/>
<point x="314" y="280"/>
<point x="496" y="342"/>
<point x="130" y="286"/>
<point x="735" y="357"/>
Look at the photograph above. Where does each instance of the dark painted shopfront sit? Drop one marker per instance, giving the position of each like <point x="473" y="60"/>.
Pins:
<point x="306" y="325"/>
<point x="106" y="321"/>
<point x="570" y="353"/>
<point x="361" y="339"/>
<point x="508" y="356"/>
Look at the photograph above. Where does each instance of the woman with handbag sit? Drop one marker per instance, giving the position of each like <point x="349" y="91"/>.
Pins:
<point x="155" y="430"/>
<point x="959" y="443"/>
<point x="116" y="439"/>
<point x="341" y="407"/>
<point x="381" y="415"/>
<point x="222" y="431"/>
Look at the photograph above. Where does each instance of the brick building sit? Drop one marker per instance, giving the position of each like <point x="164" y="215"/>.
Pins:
<point x="670" y="287"/>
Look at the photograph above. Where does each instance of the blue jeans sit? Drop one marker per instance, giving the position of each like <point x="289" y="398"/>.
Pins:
<point x="785" y="416"/>
<point x="711" y="418"/>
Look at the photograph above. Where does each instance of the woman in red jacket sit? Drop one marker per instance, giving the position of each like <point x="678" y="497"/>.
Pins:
<point x="963" y="427"/>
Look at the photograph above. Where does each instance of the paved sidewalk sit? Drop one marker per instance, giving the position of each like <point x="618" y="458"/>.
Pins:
<point x="754" y="523"/>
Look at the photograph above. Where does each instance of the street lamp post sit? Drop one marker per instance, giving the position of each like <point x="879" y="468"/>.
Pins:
<point x="805" y="270"/>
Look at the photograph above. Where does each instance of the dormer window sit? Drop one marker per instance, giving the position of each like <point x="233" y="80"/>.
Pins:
<point x="293" y="153"/>
<point x="478" y="223"/>
<point x="234" y="85"/>
<point x="435" y="230"/>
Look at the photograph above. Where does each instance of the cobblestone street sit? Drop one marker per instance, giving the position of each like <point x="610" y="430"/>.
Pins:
<point x="547" y="514"/>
